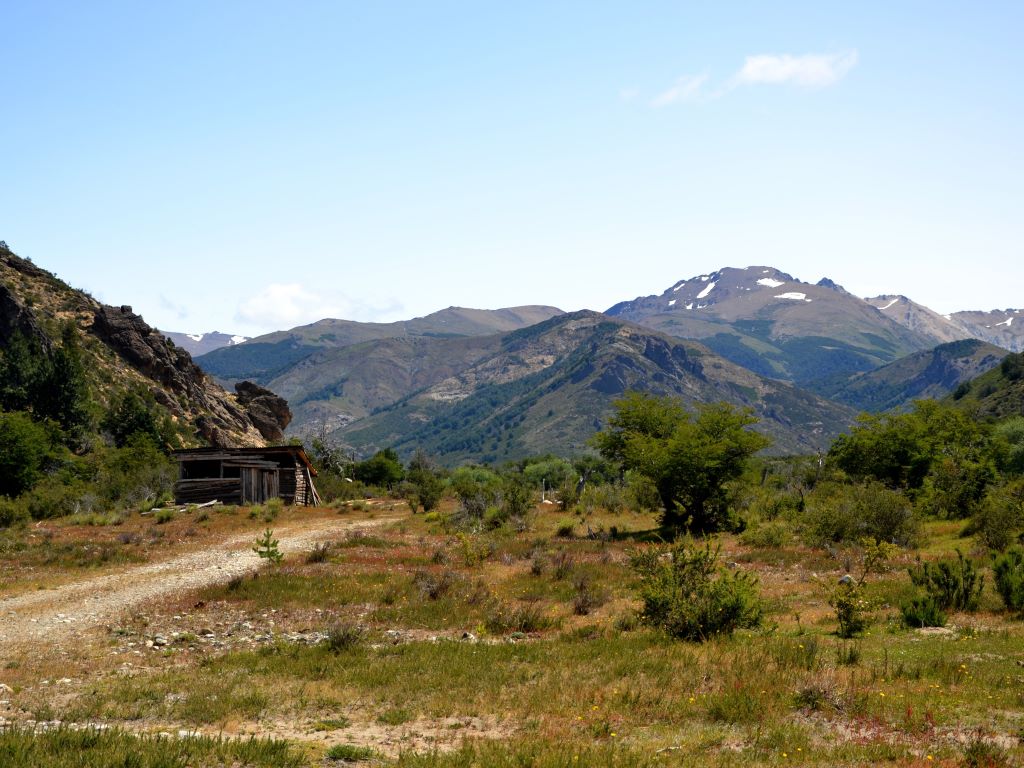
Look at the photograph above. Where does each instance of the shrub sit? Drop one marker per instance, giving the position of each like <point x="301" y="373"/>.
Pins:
<point x="11" y="512"/>
<point x="688" y="596"/>
<point x="923" y="611"/>
<point x="766" y="536"/>
<point x="562" y="563"/>
<point x="836" y="513"/>
<point x="586" y="597"/>
<point x="342" y="637"/>
<point x="999" y="518"/>
<point x="847" y="597"/>
<point x="1008" y="570"/>
<point x="851" y="609"/>
<point x="951" y="584"/>
<point x="565" y="529"/>
<point x="319" y="553"/>
<point x="980" y="753"/>
<point x="434" y="586"/>
<point x="600" y="496"/>
<point x="475" y="550"/>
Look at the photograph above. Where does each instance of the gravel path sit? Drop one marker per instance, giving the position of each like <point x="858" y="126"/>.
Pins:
<point x="52" y="615"/>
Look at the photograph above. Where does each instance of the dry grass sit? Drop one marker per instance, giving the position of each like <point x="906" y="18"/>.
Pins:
<point x="549" y="683"/>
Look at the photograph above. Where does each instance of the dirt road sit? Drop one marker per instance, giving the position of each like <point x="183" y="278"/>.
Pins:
<point x="49" y="616"/>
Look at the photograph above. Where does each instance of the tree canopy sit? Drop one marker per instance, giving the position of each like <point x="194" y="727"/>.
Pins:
<point x="690" y="459"/>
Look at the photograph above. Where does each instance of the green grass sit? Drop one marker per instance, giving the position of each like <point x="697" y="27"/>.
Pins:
<point x="591" y="689"/>
<point x="89" y="748"/>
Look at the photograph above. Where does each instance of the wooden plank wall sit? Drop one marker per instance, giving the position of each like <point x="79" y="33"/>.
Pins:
<point x="227" y="490"/>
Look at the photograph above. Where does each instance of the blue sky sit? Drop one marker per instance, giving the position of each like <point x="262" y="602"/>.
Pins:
<point x="251" y="166"/>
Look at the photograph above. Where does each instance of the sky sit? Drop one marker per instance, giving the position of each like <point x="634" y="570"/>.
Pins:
<point x="252" y="166"/>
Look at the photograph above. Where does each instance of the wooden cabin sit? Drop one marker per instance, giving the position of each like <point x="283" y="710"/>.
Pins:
<point x="245" y="476"/>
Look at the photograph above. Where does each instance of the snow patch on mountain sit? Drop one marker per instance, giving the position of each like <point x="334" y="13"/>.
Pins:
<point x="770" y="282"/>
<point x="890" y="304"/>
<point x="706" y="291"/>
<point x="195" y="336"/>
<point x="793" y="295"/>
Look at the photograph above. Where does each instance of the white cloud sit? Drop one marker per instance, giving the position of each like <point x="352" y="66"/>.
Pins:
<point x="686" y="88"/>
<point x="285" y="305"/>
<point x="281" y="306"/>
<point x="808" y="71"/>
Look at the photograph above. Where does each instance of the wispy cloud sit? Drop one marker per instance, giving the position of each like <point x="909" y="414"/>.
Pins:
<point x="686" y="88"/>
<point x="285" y="305"/>
<point x="178" y="309"/>
<point x="811" y="70"/>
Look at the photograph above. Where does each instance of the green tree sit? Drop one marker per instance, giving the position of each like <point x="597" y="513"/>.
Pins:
<point x="133" y="413"/>
<point x="24" y="448"/>
<point x="902" y="450"/>
<point x="383" y="469"/>
<point x="690" y="460"/>
<point x="426" y="483"/>
<point x="22" y="364"/>
<point x="62" y="391"/>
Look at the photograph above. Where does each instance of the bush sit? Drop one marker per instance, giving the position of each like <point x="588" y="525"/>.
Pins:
<point x="951" y="584"/>
<point x="766" y="536"/>
<point x="434" y="586"/>
<point x="923" y="611"/>
<point x="587" y="597"/>
<point x="1008" y="570"/>
<point x="999" y="519"/>
<point x="11" y="512"/>
<point x="852" y="609"/>
<point x="836" y="513"/>
<point x="477" y="489"/>
<point x="688" y="596"/>
<point x="319" y="553"/>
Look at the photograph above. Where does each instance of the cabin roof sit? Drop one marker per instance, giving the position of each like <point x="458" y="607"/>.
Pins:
<point x="229" y="454"/>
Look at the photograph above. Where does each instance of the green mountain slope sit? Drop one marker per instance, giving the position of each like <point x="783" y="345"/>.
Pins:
<point x="933" y="374"/>
<point x="549" y="387"/>
<point x="998" y="394"/>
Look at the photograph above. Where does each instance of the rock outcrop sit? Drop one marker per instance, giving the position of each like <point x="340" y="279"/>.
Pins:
<point x="224" y="423"/>
<point x="15" y="318"/>
<point x="269" y="412"/>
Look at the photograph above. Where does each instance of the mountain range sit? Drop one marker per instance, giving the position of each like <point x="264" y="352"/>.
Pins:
<point x="449" y="383"/>
<point x="470" y="384"/>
